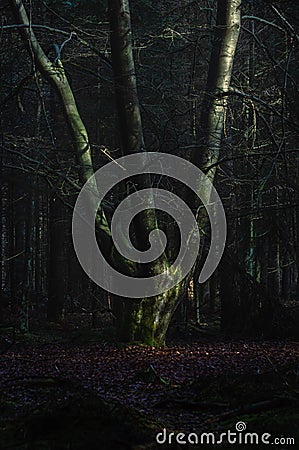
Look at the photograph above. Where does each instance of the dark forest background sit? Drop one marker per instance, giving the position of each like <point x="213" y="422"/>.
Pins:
<point x="217" y="84"/>
<point x="255" y="290"/>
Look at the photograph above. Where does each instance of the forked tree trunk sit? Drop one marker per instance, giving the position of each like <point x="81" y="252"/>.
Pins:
<point x="145" y="320"/>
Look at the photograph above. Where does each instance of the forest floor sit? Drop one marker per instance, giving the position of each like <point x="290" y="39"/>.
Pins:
<point x="67" y="390"/>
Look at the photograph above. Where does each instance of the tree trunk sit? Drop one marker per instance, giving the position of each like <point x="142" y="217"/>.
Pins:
<point x="55" y="74"/>
<point x="147" y="320"/>
<point x="28" y="265"/>
<point x="197" y="291"/>
<point x="227" y="294"/>
<point x="57" y="260"/>
<point x="18" y="243"/>
<point x="213" y="291"/>
<point x="214" y="105"/>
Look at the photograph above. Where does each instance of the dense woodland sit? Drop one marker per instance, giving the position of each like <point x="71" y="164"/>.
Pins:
<point x="83" y="83"/>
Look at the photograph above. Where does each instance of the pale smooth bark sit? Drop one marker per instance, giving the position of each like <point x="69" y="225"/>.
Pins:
<point x="214" y="105"/>
<point x="211" y="122"/>
<point x="56" y="76"/>
<point x="148" y="320"/>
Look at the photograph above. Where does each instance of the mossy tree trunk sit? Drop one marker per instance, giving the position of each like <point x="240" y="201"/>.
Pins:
<point x="145" y="320"/>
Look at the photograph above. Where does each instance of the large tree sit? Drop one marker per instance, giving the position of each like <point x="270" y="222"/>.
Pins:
<point x="147" y="319"/>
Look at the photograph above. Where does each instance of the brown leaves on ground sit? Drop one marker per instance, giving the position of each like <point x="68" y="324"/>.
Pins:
<point x="171" y="385"/>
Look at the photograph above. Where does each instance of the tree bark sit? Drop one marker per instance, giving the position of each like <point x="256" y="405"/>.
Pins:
<point x="130" y="124"/>
<point x="145" y="320"/>
<point x="212" y="118"/>
<point x="57" y="260"/>
<point x="55" y="74"/>
<point x="148" y="320"/>
<point x="28" y="266"/>
<point x="214" y="105"/>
